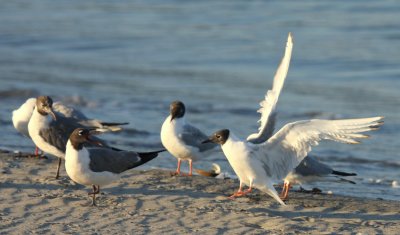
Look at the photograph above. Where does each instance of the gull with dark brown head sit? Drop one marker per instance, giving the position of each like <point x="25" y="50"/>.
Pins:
<point x="311" y="170"/>
<point x="182" y="139"/>
<point x="263" y="159"/>
<point x="98" y="166"/>
<point x="22" y="115"/>
<point x="262" y="165"/>
<point x="49" y="131"/>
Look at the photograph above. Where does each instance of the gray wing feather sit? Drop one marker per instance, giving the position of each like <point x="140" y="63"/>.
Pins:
<point x="59" y="131"/>
<point x="310" y="166"/>
<point x="103" y="159"/>
<point x="68" y="112"/>
<point x="55" y="137"/>
<point x="76" y="116"/>
<point x="194" y="137"/>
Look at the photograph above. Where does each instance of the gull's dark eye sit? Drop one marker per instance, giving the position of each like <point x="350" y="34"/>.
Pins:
<point x="218" y="136"/>
<point x="80" y="132"/>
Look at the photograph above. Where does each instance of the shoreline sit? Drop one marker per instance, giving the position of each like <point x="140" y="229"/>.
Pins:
<point x="152" y="201"/>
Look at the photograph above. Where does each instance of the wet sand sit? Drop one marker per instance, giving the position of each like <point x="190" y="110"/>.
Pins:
<point x="153" y="202"/>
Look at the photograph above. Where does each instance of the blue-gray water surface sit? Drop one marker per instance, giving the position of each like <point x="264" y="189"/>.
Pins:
<point x="127" y="60"/>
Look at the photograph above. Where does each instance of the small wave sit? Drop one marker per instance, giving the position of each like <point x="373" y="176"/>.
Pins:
<point x="134" y="132"/>
<point x="243" y="111"/>
<point x="77" y="100"/>
<point x="136" y="145"/>
<point x="352" y="159"/>
<point x="19" y="93"/>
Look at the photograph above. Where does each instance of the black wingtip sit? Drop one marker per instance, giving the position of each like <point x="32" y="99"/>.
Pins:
<point x="114" y="123"/>
<point x="343" y="173"/>
<point x="148" y="156"/>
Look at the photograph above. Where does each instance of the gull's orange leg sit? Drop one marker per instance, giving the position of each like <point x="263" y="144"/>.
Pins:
<point x="178" y="169"/>
<point x="285" y="191"/>
<point x="191" y="167"/>
<point x="239" y="193"/>
<point x="248" y="190"/>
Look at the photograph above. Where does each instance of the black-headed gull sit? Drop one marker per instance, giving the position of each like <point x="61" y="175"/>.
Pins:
<point x="50" y="132"/>
<point x="261" y="165"/>
<point x="97" y="166"/>
<point x="22" y="115"/>
<point x="261" y="159"/>
<point x="182" y="139"/>
<point x="310" y="170"/>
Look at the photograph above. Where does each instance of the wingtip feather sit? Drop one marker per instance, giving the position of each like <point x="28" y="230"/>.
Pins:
<point x="290" y="38"/>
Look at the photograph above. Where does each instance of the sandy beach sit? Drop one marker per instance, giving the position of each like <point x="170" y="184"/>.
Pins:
<point x="153" y="202"/>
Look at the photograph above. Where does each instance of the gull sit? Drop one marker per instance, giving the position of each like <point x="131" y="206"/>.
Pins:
<point x="97" y="166"/>
<point x="309" y="170"/>
<point x="268" y="120"/>
<point x="264" y="158"/>
<point x="22" y="115"/>
<point x="50" y="132"/>
<point x="260" y="165"/>
<point x="181" y="139"/>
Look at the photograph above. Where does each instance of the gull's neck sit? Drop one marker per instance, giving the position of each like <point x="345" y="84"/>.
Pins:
<point x="39" y="119"/>
<point x="178" y="121"/>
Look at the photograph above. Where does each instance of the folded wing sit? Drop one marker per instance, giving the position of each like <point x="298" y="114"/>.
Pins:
<point x="103" y="159"/>
<point x="194" y="137"/>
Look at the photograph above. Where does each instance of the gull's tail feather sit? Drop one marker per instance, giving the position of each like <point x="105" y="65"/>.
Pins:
<point x="272" y="192"/>
<point x="113" y="126"/>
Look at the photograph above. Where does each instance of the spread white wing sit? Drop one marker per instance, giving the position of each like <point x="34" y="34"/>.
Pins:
<point x="290" y="145"/>
<point x="267" y="110"/>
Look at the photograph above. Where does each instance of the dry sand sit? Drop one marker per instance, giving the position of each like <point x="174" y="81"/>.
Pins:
<point x="153" y="202"/>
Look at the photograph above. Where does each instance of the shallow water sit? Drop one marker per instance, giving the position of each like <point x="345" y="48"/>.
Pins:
<point x="126" y="61"/>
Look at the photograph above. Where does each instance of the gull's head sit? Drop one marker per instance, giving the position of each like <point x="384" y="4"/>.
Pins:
<point x="81" y="136"/>
<point x="177" y="109"/>
<point x="44" y="105"/>
<point x="219" y="137"/>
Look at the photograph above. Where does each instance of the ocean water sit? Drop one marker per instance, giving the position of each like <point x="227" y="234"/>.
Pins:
<point x="127" y="60"/>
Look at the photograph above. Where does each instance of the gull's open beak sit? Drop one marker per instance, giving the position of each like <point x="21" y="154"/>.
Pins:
<point x="95" y="132"/>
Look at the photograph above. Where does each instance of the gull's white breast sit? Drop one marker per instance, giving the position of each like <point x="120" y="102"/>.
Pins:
<point x="77" y="167"/>
<point x="244" y="165"/>
<point x="170" y="132"/>
<point x="37" y="123"/>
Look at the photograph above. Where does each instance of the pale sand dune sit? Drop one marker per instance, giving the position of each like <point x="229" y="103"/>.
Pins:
<point x="143" y="202"/>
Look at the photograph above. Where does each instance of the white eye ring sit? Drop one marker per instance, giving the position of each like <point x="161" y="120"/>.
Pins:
<point x="80" y="132"/>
